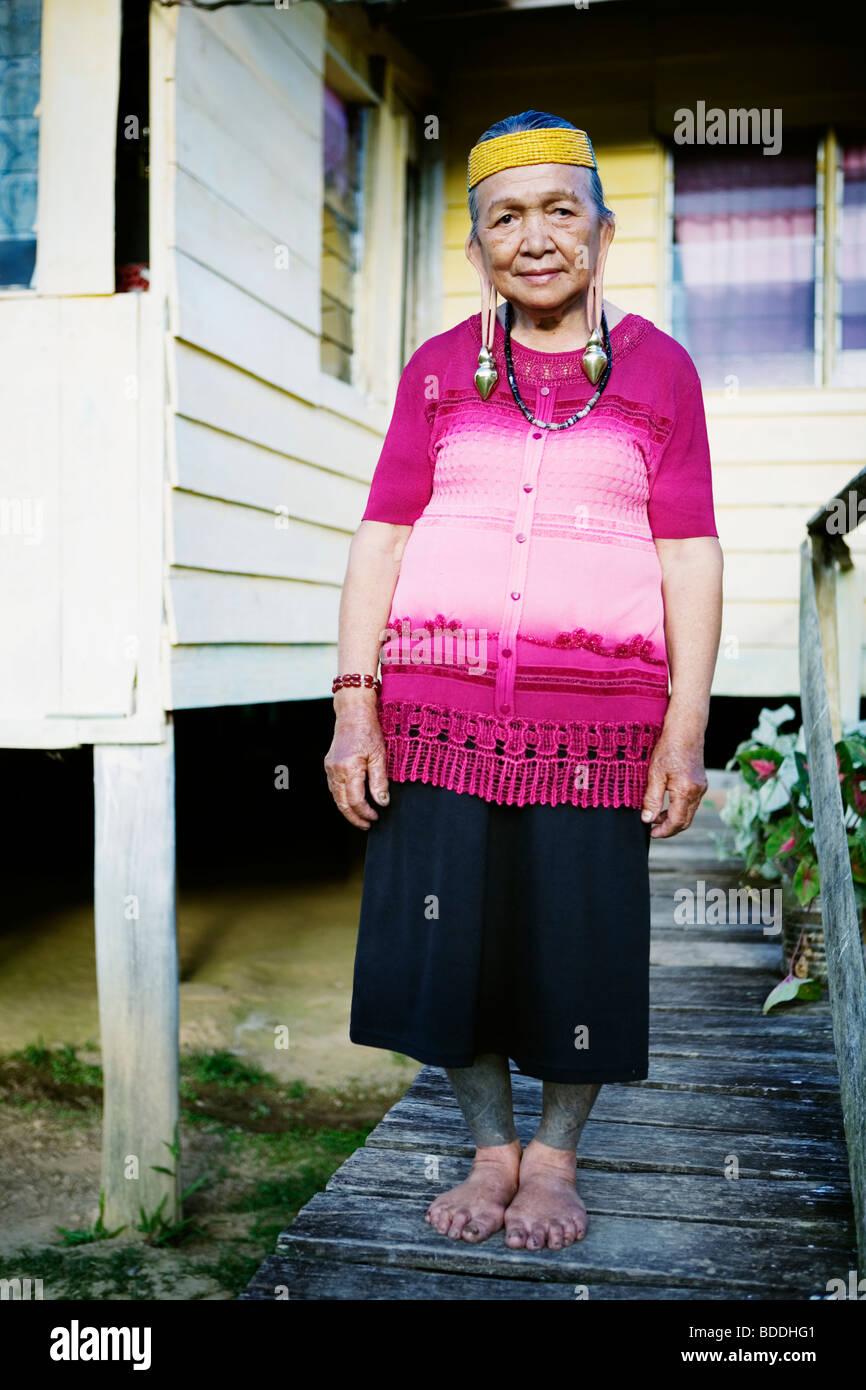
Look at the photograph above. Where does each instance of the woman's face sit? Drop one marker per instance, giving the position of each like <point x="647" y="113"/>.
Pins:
<point x="539" y="236"/>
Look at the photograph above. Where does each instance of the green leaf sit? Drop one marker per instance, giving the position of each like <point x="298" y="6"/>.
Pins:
<point x="765" y="757"/>
<point x="803" y="785"/>
<point x="75" y="1237"/>
<point x="781" y="833"/>
<point x="857" y="855"/>
<point x="791" y="988"/>
<point x="807" y="883"/>
<point x="193" y="1187"/>
<point x="854" y="749"/>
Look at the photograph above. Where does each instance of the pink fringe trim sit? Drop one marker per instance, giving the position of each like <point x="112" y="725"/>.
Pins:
<point x="518" y="762"/>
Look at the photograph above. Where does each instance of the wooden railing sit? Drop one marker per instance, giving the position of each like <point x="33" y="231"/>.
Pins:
<point x="829" y="689"/>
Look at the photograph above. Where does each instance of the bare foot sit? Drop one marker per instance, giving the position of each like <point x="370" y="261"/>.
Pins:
<point x="476" y="1208"/>
<point x="547" y="1209"/>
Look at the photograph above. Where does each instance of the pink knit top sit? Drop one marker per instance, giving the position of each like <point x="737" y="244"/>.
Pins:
<point x="525" y="655"/>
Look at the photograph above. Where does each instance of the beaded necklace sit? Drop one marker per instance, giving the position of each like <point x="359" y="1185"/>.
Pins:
<point x="578" y="415"/>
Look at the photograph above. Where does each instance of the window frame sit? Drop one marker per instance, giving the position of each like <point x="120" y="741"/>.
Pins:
<point x="837" y="360"/>
<point x="20" y="290"/>
<point x="828" y="355"/>
<point x="358" y="236"/>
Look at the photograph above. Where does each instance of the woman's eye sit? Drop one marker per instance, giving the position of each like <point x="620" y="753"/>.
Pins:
<point x="503" y="218"/>
<point x="567" y="211"/>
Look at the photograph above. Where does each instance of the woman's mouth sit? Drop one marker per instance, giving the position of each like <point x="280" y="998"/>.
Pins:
<point x="538" y="277"/>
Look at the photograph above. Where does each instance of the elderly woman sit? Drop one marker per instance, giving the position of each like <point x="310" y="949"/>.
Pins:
<point x="537" y="557"/>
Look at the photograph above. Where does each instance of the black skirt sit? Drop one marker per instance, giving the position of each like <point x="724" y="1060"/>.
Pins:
<point x="522" y="930"/>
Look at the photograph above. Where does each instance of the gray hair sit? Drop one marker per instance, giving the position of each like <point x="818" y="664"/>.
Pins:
<point x="537" y="120"/>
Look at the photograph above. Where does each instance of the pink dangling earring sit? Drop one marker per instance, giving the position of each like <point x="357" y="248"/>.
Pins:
<point x="486" y="375"/>
<point x="594" y="358"/>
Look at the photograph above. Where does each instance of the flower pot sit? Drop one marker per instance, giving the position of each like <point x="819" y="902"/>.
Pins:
<point x="812" y="959"/>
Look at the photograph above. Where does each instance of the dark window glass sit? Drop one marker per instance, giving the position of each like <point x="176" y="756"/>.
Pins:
<point x="20" y="43"/>
<point x="341" y="231"/>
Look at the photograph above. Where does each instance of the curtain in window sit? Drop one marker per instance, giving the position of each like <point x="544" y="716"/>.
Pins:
<point x="20" y="40"/>
<point x="340" y="232"/>
<point x="852" y="247"/>
<point x="744" y="264"/>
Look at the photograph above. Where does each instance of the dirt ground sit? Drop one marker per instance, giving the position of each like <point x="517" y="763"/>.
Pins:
<point x="251" y="963"/>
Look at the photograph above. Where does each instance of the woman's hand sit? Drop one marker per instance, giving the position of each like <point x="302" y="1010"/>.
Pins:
<point x="357" y="755"/>
<point x="676" y="766"/>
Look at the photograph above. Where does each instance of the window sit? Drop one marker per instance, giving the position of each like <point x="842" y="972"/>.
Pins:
<point x="341" y="231"/>
<point x="850" y="343"/>
<point x="769" y="262"/>
<point x="744" y="253"/>
<point x="131" y="256"/>
<point x="20" y="52"/>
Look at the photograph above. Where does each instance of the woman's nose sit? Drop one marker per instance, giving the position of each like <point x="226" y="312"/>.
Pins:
<point x="536" y="236"/>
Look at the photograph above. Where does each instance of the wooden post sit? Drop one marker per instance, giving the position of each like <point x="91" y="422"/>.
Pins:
<point x="841" y="919"/>
<point x="824" y="576"/>
<point x="849" y="626"/>
<point x="136" y="963"/>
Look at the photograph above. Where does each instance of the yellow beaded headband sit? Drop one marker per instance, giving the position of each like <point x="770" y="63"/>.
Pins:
<point x="552" y="145"/>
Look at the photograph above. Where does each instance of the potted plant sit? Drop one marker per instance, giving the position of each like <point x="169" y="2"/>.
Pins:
<point x="769" y="811"/>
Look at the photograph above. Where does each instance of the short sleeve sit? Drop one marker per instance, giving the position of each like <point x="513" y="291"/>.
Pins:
<point x="403" y="479"/>
<point x="681" y="491"/>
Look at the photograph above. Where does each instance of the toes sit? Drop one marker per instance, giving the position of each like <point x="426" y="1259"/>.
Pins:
<point x="556" y="1236"/>
<point x="482" y="1225"/>
<point x="477" y="1230"/>
<point x="458" y="1221"/>
<point x="515" y="1237"/>
<point x="537" y="1237"/>
<point x="441" y="1219"/>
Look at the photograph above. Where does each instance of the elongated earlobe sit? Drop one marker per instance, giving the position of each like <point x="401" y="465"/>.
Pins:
<point x="486" y="375"/>
<point x="594" y="358"/>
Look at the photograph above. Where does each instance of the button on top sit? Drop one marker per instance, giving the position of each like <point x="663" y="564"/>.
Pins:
<point x="545" y="390"/>
<point x="536" y="434"/>
<point x="506" y="651"/>
<point x="527" y="487"/>
<point x="520" y="537"/>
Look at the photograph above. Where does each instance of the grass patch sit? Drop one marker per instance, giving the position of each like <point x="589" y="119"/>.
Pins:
<point x="232" y="1270"/>
<point x="61" y="1064"/>
<point x="223" y="1069"/>
<point x="98" y="1231"/>
<point x="70" y="1273"/>
<point x="268" y="1146"/>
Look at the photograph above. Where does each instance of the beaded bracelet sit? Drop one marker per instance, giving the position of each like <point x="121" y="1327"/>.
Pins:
<point x="355" y="678"/>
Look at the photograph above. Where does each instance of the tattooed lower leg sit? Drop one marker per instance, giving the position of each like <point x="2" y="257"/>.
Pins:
<point x="564" y="1109"/>
<point x="483" y="1093"/>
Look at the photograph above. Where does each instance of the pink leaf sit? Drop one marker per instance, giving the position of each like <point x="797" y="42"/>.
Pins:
<point x="764" y="768"/>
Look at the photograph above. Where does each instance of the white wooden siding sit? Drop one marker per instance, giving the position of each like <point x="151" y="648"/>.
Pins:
<point x="79" y="83"/>
<point x="269" y="462"/>
<point x="79" y="630"/>
<point x="777" y="457"/>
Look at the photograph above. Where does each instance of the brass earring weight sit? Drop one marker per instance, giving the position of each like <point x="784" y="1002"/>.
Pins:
<point x="486" y="375"/>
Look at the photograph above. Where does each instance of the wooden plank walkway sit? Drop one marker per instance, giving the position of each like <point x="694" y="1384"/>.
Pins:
<point x="727" y="1086"/>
